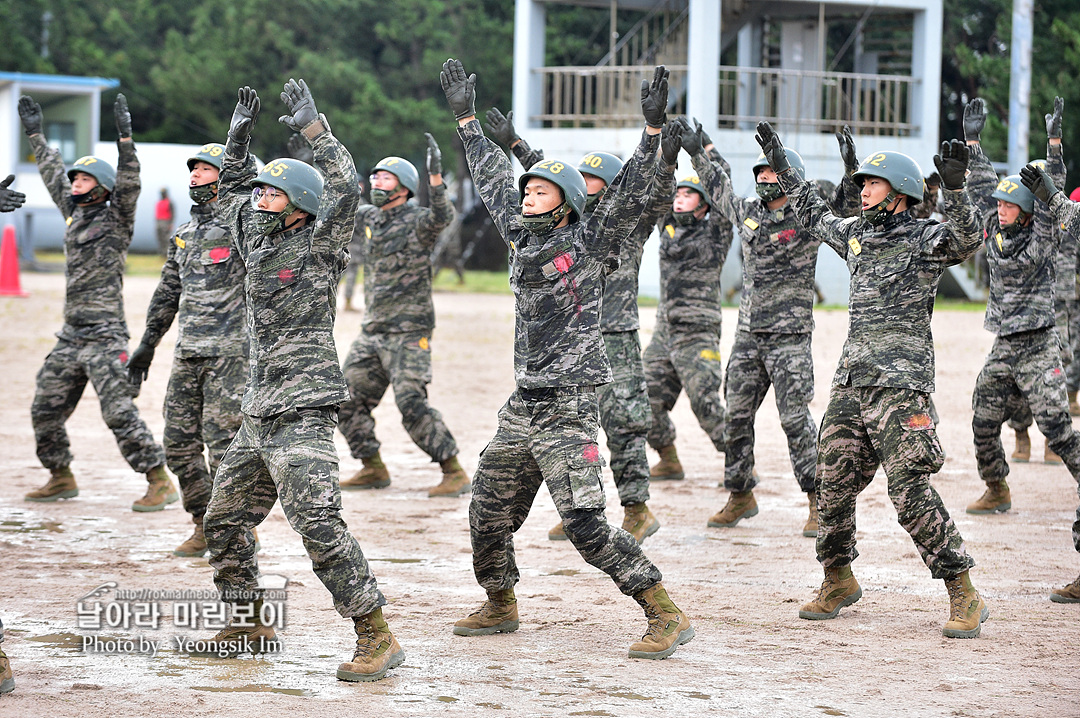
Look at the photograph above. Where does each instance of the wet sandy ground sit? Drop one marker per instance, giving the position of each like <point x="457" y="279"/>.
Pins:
<point x="742" y="587"/>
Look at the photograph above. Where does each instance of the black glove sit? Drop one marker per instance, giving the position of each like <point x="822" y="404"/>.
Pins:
<point x="952" y="163"/>
<point x="30" y="114"/>
<point x="299" y="149"/>
<point x="847" y="150"/>
<point x="501" y="126"/>
<point x="1038" y="181"/>
<point x="460" y="90"/>
<point x="654" y="96"/>
<point x="123" y="116"/>
<point x="974" y="119"/>
<point x="245" y="114"/>
<point x="691" y="136"/>
<point x="1053" y="122"/>
<point x="772" y="147"/>
<point x="671" y="142"/>
<point x="302" y="112"/>
<point x="705" y="139"/>
<point x="138" y="365"/>
<point x="10" y="200"/>
<point x="434" y="156"/>
<point x="934" y="180"/>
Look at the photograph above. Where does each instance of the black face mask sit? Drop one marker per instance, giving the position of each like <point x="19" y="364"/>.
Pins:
<point x="93" y="195"/>
<point x="203" y="193"/>
<point x="768" y="191"/>
<point x="540" y="223"/>
<point x="594" y="199"/>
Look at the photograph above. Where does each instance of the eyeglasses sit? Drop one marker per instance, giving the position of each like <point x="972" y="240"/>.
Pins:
<point x="270" y="193"/>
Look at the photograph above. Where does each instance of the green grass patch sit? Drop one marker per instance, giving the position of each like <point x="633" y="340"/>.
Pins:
<point x="137" y="264"/>
<point x="476" y="281"/>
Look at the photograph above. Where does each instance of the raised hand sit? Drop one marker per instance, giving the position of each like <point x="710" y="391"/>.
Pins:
<point x="974" y="119"/>
<point x="299" y="149"/>
<point x="501" y="126"/>
<point x="460" y="90"/>
<point x="1037" y="180"/>
<point x="10" y="200"/>
<point x="245" y="114"/>
<point x="1053" y="122"/>
<point x="302" y="112"/>
<point x="952" y="164"/>
<point x="847" y="150"/>
<point x="691" y="136"/>
<point x="434" y="156"/>
<point x="671" y="142"/>
<point x="772" y="147"/>
<point x="123" y="116"/>
<point x="30" y="114"/>
<point x="654" y="98"/>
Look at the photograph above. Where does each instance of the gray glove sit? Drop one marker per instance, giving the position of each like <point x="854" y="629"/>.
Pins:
<point x="654" y="98"/>
<point x="299" y="149"/>
<point x="691" y="136"/>
<point x="847" y="150"/>
<point x="974" y="119"/>
<point x="501" y="126"/>
<point x="30" y="114"/>
<point x="952" y="163"/>
<point x="1053" y="122"/>
<point x="302" y="112"/>
<point x="772" y="148"/>
<point x="671" y="142"/>
<point x="123" y="116"/>
<point x="245" y="114"/>
<point x="1037" y="180"/>
<point x="434" y="156"/>
<point x="460" y="90"/>
<point x="10" y="200"/>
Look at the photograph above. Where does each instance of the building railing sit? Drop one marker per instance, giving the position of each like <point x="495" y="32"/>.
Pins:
<point x="810" y="100"/>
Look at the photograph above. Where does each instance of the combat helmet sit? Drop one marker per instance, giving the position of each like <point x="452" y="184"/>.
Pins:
<point x="1011" y="189"/>
<point x="212" y="154"/>
<point x="691" y="182"/>
<point x="768" y="191"/>
<point x="566" y="178"/>
<point x="401" y="168"/>
<point x="900" y="171"/>
<point x="603" y="165"/>
<point x="301" y="183"/>
<point x="100" y="170"/>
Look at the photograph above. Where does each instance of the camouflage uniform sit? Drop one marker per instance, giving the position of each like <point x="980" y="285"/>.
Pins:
<point x="685" y="349"/>
<point x="1023" y="373"/>
<point x="394" y="343"/>
<point x="625" y="414"/>
<point x="879" y="406"/>
<point x="547" y="429"/>
<point x="93" y="340"/>
<point x="285" y="446"/>
<point x="202" y="281"/>
<point x="356" y="256"/>
<point x="772" y="340"/>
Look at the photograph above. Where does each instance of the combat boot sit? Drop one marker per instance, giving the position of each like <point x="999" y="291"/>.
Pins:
<point x="809" y="529"/>
<point x="1074" y="408"/>
<point x="669" y="627"/>
<point x="639" y="522"/>
<point x="1022" y="453"/>
<point x="740" y="505"/>
<point x="1069" y="594"/>
<point x="839" y="589"/>
<point x="997" y="498"/>
<point x="967" y="609"/>
<point x="159" y="493"/>
<point x="195" y="546"/>
<point x="669" y="467"/>
<point x="377" y="651"/>
<point x="499" y="614"/>
<point x="558" y="533"/>
<point x="455" y="481"/>
<point x="7" y="680"/>
<point x="373" y="476"/>
<point x="1050" y="456"/>
<point x="61" y="485"/>
<point x="234" y="639"/>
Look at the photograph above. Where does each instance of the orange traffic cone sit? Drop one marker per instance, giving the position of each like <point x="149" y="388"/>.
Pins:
<point x="9" y="266"/>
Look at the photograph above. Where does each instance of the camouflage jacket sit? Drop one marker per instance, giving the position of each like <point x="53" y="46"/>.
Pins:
<point x="291" y="283"/>
<point x="95" y="244"/>
<point x="558" y="277"/>
<point x="895" y="268"/>
<point x="619" y="308"/>
<point x="202" y="280"/>
<point x="397" y="246"/>
<point x="1022" y="261"/>
<point x="1066" y="212"/>
<point x="779" y="258"/>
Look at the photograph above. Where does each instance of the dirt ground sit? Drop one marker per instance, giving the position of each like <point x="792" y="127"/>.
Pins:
<point x="742" y="587"/>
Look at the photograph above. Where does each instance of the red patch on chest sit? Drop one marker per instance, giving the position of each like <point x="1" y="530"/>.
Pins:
<point x="591" y="453"/>
<point x="219" y="254"/>
<point x="286" y="275"/>
<point x="123" y="357"/>
<point x="917" y="422"/>
<point x="786" y="236"/>
<point x="563" y="262"/>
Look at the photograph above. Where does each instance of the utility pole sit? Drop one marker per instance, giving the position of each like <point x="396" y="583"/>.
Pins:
<point x="1020" y="83"/>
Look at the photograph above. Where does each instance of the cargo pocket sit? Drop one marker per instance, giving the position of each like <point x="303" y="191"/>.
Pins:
<point x="585" y="486"/>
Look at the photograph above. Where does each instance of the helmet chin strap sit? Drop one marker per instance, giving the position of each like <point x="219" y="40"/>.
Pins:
<point x="540" y="223"/>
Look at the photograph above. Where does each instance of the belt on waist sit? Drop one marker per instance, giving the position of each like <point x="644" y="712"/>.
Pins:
<point x="548" y="393"/>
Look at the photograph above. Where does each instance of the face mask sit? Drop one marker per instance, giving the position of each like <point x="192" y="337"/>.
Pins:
<point x="768" y="191"/>
<point x="379" y="197"/>
<point x="594" y="199"/>
<point x="877" y="214"/>
<point x="203" y="193"/>
<point x="685" y="219"/>
<point x="92" y="196"/>
<point x="540" y="223"/>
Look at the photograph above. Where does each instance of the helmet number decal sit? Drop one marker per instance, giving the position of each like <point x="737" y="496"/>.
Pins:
<point x="593" y="161"/>
<point x="212" y="149"/>
<point x="877" y="159"/>
<point x="553" y="166"/>
<point x="83" y="161"/>
<point x="1007" y="186"/>
<point x="389" y="161"/>
<point x="276" y="169"/>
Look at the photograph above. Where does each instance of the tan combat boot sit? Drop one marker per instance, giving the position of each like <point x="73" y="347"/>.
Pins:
<point x="1069" y="594"/>
<point x="558" y="533"/>
<point x="669" y="468"/>
<point x="639" y="522"/>
<point x="455" y="481"/>
<point x="373" y="476"/>
<point x="61" y="485"/>
<point x="7" y="680"/>
<point x="196" y="545"/>
<point x="377" y="651"/>
<point x="1022" y="453"/>
<point x="967" y="609"/>
<point x="159" y="493"/>
<point x="740" y="505"/>
<point x="1050" y="456"/>
<point x="809" y="529"/>
<point x="669" y="627"/>
<point x="839" y="589"/>
<point x="997" y="498"/>
<point x="499" y="614"/>
<point x="234" y="639"/>
<point x="1074" y="407"/>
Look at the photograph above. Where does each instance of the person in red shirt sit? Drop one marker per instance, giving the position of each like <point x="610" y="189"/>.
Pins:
<point x="163" y="213"/>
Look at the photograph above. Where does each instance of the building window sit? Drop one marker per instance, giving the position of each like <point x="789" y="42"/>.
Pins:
<point x="61" y="135"/>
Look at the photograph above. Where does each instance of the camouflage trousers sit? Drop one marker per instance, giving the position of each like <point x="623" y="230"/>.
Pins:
<point x="351" y="271"/>
<point x="290" y="456"/>
<point x="687" y="358"/>
<point x="1072" y="371"/>
<point x="1022" y="370"/>
<point x="548" y="436"/>
<point x="758" y="361"/>
<point x="865" y="427"/>
<point x="626" y="416"/>
<point x="376" y="361"/>
<point x="202" y="411"/>
<point x="60" y="384"/>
